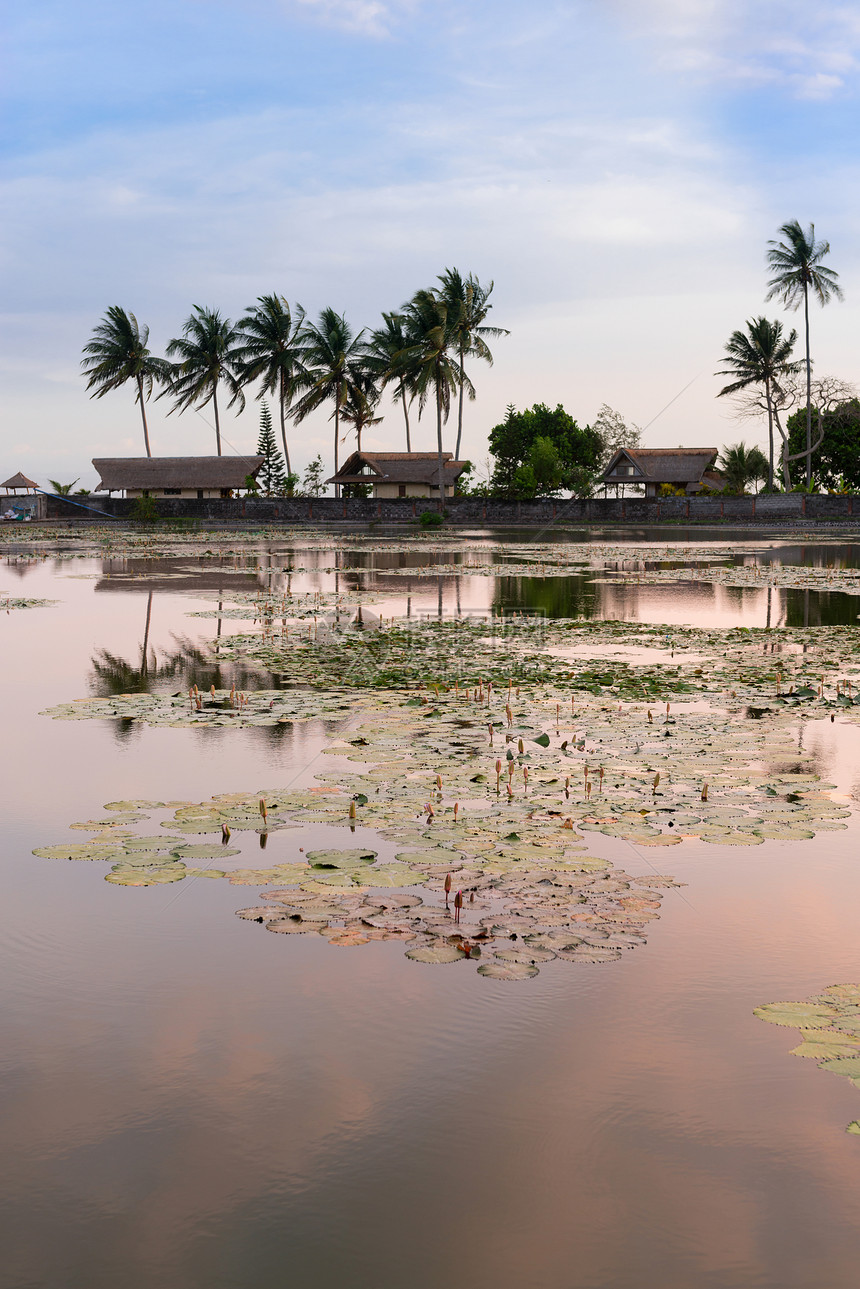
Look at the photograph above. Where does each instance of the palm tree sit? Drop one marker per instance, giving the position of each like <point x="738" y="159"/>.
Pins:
<point x="270" y="352"/>
<point x="385" y="360"/>
<point x="742" y="465"/>
<point x="361" y="403"/>
<point x="468" y="304"/>
<point x="430" y="359"/>
<point x="117" y="354"/>
<point x="761" y="356"/>
<point x="209" y="356"/>
<point x="797" y="269"/>
<point x="332" y="362"/>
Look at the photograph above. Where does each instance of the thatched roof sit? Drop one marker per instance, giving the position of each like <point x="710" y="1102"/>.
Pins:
<point x="175" y="472"/>
<point x="399" y="467"/>
<point x="662" y="465"/>
<point x="19" y="480"/>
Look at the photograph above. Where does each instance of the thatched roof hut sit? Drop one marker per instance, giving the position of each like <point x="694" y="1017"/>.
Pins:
<point x="175" y="476"/>
<point x="685" y="469"/>
<point x="400" y="474"/>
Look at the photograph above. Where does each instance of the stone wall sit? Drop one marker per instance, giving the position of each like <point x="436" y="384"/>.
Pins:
<point x="471" y="511"/>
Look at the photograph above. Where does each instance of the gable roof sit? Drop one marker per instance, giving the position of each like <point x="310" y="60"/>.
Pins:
<point x="19" y="480"/>
<point x="663" y="465"/>
<point x="175" y="472"/>
<point x="398" y="467"/>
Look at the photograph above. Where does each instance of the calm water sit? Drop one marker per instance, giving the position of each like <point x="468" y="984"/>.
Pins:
<point x="187" y="1101"/>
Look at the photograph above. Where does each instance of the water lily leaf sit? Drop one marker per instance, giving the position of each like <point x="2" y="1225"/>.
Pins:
<point x="823" y="1044"/>
<point x="204" y="851"/>
<point x="340" y="858"/>
<point x="439" y="951"/>
<point x="799" y="1015"/>
<point x="501" y="970"/>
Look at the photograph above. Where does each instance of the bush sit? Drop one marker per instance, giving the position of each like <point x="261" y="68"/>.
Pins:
<point x="144" y="510"/>
<point x="431" y="518"/>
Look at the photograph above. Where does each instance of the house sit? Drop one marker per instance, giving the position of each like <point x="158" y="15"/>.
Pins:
<point x="199" y="477"/>
<point x="687" y="470"/>
<point x="400" y="474"/>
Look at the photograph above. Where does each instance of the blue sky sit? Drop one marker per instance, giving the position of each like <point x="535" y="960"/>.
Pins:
<point x="615" y="166"/>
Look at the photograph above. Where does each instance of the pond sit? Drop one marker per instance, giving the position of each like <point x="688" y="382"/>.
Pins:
<point x="189" y="1099"/>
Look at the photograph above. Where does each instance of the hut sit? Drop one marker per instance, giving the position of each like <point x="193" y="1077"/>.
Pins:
<point x="400" y="474"/>
<point x="197" y="477"/>
<point x="685" y="470"/>
<point x="19" y="483"/>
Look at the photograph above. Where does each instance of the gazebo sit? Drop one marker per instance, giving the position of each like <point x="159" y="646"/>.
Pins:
<point x="20" y="483"/>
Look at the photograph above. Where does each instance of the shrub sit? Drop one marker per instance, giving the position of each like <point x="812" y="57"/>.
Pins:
<point x="144" y="510"/>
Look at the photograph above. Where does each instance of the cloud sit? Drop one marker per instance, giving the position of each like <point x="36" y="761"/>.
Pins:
<point x="367" y="17"/>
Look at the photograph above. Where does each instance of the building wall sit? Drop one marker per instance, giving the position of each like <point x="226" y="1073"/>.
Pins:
<point x="387" y="491"/>
<point x="185" y="494"/>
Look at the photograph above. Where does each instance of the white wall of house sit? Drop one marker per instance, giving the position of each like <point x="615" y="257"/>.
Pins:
<point x="175" y="492"/>
<point x="383" y="491"/>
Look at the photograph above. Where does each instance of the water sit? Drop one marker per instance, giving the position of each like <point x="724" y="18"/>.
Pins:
<point x="187" y="1101"/>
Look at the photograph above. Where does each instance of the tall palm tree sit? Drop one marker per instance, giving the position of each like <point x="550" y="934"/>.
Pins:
<point x="385" y="359"/>
<point x="468" y="304"/>
<point x="117" y="354"/>
<point x="270" y="352"/>
<point x="332" y="362"/>
<point x="209" y="356"/>
<point x="430" y="359"/>
<point x="761" y="355"/>
<point x="361" y="403"/>
<point x="797" y="270"/>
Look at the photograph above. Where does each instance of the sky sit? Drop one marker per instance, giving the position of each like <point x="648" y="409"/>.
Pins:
<point x="615" y="167"/>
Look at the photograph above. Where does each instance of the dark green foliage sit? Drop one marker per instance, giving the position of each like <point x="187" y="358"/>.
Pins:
<point x="144" y="510"/>
<point x="836" y="464"/>
<point x="62" y="489"/>
<point x="117" y="354"/>
<point x="313" y="484"/>
<point x="431" y="519"/>
<point x="538" y="452"/>
<point x="742" y="466"/>
<point x="271" y="477"/>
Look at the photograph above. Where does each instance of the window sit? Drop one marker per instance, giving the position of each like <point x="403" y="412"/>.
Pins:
<point x="401" y="489"/>
<point x="199" y="494"/>
<point x="173" y="492"/>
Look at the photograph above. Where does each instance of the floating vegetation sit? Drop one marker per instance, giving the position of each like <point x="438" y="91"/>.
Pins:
<point x="8" y="602"/>
<point x="829" y="1026"/>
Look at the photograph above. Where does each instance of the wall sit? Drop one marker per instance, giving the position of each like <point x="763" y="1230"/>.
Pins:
<point x="792" y="508"/>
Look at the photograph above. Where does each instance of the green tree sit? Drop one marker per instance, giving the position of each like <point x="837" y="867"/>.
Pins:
<point x="209" y="356"/>
<point x="797" y="269"/>
<point x="361" y="403"/>
<point x="741" y="466"/>
<point x="386" y="359"/>
<point x="836" y="452"/>
<point x="430" y="364"/>
<point x="62" y="489"/>
<point x="542" y="473"/>
<point x="271" y="476"/>
<point x="332" y="357"/>
<point x="117" y="354"/>
<point x="270" y="351"/>
<point x="579" y="449"/>
<point x="467" y="305"/>
<point x="313" y="484"/>
<point x="761" y="357"/>
<point x="615" y="433"/>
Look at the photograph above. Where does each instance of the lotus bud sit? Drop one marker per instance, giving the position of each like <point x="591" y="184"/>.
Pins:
<point x="704" y="791"/>
<point x="352" y="809"/>
<point x="655" y="785"/>
<point x="262" y="808"/>
<point x="490" y="728"/>
<point x="520" y="747"/>
<point x="650" y="718"/>
<point x="456" y="810"/>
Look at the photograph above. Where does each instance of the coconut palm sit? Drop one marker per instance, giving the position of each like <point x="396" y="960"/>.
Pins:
<point x="332" y="363"/>
<point x="361" y="403"/>
<point x="270" y="351"/>
<point x="742" y="465"/>
<point x="761" y="355"/>
<point x="209" y="356"/>
<point x="385" y="360"/>
<point x="117" y="354"/>
<point x="429" y="360"/>
<point x="467" y="302"/>
<point x="797" y="270"/>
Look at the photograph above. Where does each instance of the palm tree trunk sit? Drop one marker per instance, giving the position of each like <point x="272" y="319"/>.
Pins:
<point x="439" y="443"/>
<point x="769" y="436"/>
<point x="460" y="407"/>
<point x="405" y="414"/>
<point x="808" y="392"/>
<point x="145" y="649"/>
<point x="284" y="425"/>
<point x="217" y="421"/>
<point x="336" y="437"/>
<point x="143" y="415"/>
<point x="786" y="472"/>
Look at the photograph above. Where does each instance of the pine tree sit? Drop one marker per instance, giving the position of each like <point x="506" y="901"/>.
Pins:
<point x="271" y="476"/>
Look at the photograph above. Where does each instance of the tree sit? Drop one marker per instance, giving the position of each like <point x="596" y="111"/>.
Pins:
<point x="467" y="305"/>
<point x="741" y="466"/>
<point x="386" y="360"/>
<point x="614" y="432"/>
<point x="117" y="354"/>
<point x="430" y="365"/>
<point x="312" y="484"/>
<point x="270" y="351"/>
<point x="761" y="356"/>
<point x="797" y="270"/>
<point x="271" y="476"/>
<point x="836" y="452"/>
<point x="361" y="403"/>
<point x="542" y="474"/>
<point x="62" y="489"/>
<point x="332" y="357"/>
<point x="209" y="356"/>
<point x="579" y="449"/>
